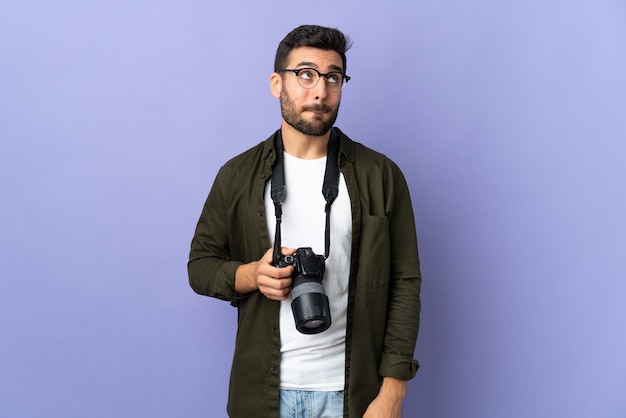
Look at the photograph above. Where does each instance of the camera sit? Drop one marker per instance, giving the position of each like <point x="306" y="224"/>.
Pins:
<point x="310" y="307"/>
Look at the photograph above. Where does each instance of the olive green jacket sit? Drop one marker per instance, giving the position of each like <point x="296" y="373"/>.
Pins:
<point x="383" y="299"/>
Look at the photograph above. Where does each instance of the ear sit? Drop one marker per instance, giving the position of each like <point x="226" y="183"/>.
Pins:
<point x="276" y="85"/>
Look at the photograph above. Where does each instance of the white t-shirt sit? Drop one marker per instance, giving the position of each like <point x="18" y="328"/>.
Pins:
<point x="314" y="362"/>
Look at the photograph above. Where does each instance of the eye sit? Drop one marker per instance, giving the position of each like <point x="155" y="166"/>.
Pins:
<point x="307" y="75"/>
<point x="334" y="78"/>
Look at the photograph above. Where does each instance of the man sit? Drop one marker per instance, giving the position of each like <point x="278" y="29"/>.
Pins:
<point x="357" y="362"/>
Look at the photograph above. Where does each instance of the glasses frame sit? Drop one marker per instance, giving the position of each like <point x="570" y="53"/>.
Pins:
<point x="344" y="77"/>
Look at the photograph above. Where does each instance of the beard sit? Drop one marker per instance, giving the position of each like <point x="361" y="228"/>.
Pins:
<point x="318" y="127"/>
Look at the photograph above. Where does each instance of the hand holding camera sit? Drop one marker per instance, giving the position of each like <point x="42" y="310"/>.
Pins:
<point x="273" y="282"/>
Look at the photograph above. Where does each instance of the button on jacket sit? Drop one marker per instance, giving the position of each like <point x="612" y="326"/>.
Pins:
<point x="384" y="283"/>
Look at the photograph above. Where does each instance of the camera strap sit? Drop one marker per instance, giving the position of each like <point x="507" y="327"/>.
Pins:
<point x="330" y="187"/>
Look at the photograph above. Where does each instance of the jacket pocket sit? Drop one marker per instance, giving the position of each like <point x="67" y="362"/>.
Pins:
<point x="374" y="253"/>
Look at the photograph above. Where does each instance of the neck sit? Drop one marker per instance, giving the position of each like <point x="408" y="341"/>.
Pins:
<point x="306" y="147"/>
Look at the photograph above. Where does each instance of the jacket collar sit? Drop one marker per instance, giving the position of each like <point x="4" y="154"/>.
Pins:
<point x="346" y="148"/>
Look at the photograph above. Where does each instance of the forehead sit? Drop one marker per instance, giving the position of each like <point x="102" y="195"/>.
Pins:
<point x="322" y="59"/>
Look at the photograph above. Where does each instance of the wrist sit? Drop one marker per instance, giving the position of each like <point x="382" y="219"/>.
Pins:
<point x="245" y="281"/>
<point x="392" y="386"/>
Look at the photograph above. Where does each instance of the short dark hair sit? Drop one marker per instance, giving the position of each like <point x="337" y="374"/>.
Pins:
<point x="314" y="36"/>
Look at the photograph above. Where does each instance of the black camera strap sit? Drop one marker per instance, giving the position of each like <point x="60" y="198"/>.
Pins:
<point x="330" y="188"/>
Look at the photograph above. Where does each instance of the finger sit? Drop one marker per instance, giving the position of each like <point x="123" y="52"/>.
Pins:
<point x="275" y="283"/>
<point x="266" y="268"/>
<point x="275" y="289"/>
<point x="283" y="272"/>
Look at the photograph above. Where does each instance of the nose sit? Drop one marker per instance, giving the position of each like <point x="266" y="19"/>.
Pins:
<point x="320" y="89"/>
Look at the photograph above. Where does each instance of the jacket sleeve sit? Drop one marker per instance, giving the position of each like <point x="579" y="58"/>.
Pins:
<point x="403" y="310"/>
<point x="210" y="267"/>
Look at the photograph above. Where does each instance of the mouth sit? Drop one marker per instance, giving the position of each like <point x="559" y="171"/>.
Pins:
<point x="317" y="116"/>
<point x="318" y="112"/>
<point x="319" y="109"/>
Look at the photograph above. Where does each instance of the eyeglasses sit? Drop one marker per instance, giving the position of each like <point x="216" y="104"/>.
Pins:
<point x="309" y="77"/>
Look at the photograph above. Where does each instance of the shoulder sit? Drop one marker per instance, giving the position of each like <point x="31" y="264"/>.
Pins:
<point x="251" y="158"/>
<point x="365" y="158"/>
<point x="258" y="152"/>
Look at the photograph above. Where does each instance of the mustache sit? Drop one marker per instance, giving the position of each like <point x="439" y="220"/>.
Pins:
<point x="317" y="107"/>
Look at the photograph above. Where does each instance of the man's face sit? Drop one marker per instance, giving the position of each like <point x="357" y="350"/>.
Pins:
<point x="311" y="111"/>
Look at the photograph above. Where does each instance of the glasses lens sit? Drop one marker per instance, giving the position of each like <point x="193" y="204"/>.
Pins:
<point x="308" y="78"/>
<point x="334" y="81"/>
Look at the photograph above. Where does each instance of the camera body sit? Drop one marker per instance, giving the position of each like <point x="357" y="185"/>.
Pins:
<point x="310" y="306"/>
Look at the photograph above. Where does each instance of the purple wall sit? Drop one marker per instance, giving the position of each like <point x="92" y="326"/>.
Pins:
<point x="508" y="118"/>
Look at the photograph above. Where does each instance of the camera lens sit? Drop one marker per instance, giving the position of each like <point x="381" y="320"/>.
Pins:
<point x="313" y="324"/>
<point x="311" y="309"/>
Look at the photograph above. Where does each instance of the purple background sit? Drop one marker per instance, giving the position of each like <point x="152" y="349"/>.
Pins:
<point x="508" y="119"/>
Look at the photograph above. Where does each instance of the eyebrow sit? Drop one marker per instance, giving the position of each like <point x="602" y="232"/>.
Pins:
<point x="310" y="64"/>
